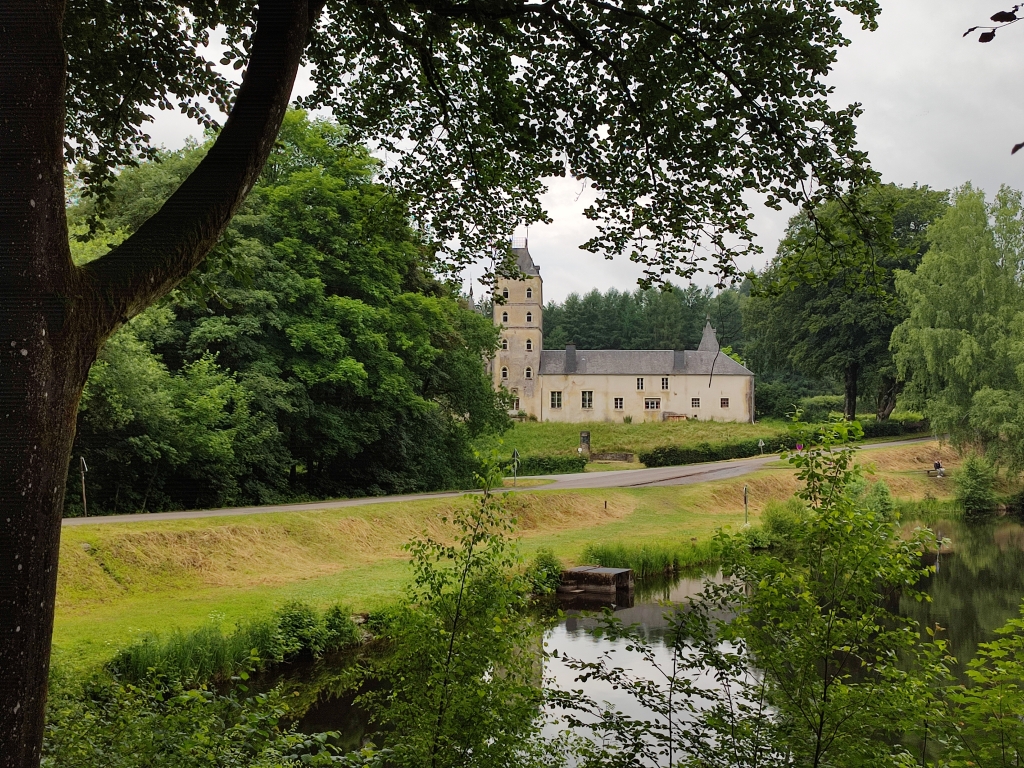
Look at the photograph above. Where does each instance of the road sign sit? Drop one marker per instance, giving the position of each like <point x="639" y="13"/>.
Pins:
<point x="515" y="466"/>
<point x="760" y="444"/>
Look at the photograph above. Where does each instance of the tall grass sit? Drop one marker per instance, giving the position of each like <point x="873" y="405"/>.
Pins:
<point x="651" y="559"/>
<point x="208" y="653"/>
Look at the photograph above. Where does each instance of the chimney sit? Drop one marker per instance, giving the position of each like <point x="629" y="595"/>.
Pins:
<point x="570" y="358"/>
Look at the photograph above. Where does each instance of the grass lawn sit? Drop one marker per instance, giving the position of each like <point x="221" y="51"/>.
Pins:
<point x="118" y="580"/>
<point x="533" y="438"/>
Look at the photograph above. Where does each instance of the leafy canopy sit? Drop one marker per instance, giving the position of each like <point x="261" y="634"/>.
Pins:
<point x="960" y="346"/>
<point x="672" y="111"/>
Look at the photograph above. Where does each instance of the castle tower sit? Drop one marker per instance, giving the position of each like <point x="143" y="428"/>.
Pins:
<point x="519" y="313"/>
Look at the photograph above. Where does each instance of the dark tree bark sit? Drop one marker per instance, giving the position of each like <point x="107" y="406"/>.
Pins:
<point x="851" y="374"/>
<point x="54" y="316"/>
<point x="888" y="390"/>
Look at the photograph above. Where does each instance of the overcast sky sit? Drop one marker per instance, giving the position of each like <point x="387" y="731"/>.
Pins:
<point x="939" y="109"/>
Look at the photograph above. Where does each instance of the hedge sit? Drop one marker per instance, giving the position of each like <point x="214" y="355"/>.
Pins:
<point x="890" y="428"/>
<point x="673" y="455"/>
<point x="549" y="465"/>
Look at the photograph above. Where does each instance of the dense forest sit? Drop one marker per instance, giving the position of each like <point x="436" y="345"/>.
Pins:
<point x="314" y="354"/>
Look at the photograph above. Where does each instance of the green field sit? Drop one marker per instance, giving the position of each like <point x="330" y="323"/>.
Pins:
<point x="533" y="438"/>
<point x="119" y="580"/>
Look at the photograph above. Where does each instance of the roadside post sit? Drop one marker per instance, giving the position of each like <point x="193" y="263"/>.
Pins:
<point x="760" y="445"/>
<point x="745" y="506"/>
<point x="515" y="466"/>
<point x="82" y="469"/>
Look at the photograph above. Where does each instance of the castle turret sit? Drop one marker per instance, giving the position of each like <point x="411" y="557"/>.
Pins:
<point x="518" y="310"/>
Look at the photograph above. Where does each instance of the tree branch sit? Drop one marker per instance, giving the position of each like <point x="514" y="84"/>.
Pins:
<point x="175" y="240"/>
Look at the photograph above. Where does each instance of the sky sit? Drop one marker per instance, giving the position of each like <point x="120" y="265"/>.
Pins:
<point x="939" y="109"/>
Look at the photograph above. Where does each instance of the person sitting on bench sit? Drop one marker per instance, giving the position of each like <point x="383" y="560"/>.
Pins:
<point x="939" y="471"/>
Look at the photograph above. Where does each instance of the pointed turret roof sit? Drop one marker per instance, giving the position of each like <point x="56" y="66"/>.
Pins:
<point x="709" y="340"/>
<point x="525" y="261"/>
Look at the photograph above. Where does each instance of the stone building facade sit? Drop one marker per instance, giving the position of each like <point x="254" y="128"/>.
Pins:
<point x="581" y="385"/>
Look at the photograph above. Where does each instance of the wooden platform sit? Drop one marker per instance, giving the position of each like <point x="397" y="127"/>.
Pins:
<point x="594" y="578"/>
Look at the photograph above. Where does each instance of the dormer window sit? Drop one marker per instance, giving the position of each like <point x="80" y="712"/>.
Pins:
<point x="504" y="317"/>
<point x="504" y="293"/>
<point x="529" y="373"/>
<point x="529" y="293"/>
<point x="504" y="343"/>
<point x="529" y="345"/>
<point x="529" y="317"/>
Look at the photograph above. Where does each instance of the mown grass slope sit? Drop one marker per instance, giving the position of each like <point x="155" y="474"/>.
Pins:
<point x="533" y="438"/>
<point x="119" y="580"/>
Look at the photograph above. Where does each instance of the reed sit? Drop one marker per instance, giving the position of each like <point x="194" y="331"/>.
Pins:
<point x="647" y="560"/>
<point x="207" y="653"/>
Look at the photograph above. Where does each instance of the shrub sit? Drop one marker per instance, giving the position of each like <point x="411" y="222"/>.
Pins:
<point x="975" y="486"/>
<point x="819" y="407"/>
<point x="880" y="501"/>
<point x="302" y="630"/>
<point x="545" y="572"/>
<point x="627" y="419"/>
<point x="774" y="399"/>
<point x="756" y="537"/>
<point x="783" y="520"/>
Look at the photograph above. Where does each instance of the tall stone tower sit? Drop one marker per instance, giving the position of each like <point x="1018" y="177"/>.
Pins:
<point x="519" y="314"/>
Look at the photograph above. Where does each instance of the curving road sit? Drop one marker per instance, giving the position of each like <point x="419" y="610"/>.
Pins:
<point x="625" y="478"/>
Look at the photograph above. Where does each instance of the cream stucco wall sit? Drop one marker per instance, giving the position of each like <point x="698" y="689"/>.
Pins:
<point x="516" y="331"/>
<point x="677" y="399"/>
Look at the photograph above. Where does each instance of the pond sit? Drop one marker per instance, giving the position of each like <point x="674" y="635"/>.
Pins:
<point x="979" y="584"/>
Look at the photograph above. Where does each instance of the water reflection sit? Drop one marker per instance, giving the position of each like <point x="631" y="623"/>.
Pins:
<point x="978" y="586"/>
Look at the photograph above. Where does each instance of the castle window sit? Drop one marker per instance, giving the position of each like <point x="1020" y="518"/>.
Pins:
<point x="556" y="399"/>
<point x="529" y="373"/>
<point x="639" y="385"/>
<point x="529" y="293"/>
<point x="652" y="403"/>
<point x="695" y="402"/>
<point x="664" y="382"/>
<point x="725" y="402"/>
<point x="588" y="399"/>
<point x="504" y="293"/>
<point x="618" y="404"/>
<point x="515" y="400"/>
<point x="504" y="317"/>
<point x="504" y="373"/>
<point x="529" y="317"/>
<point x="504" y="343"/>
<point x="529" y="345"/>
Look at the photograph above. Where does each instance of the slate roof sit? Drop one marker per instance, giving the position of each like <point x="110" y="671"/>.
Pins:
<point x="643" y="362"/>
<point x="525" y="261"/>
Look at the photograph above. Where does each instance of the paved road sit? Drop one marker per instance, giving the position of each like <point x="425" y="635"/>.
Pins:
<point x="626" y="478"/>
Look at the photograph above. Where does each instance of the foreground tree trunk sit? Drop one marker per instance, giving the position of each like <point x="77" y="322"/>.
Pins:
<point x="54" y="317"/>
<point x="851" y="374"/>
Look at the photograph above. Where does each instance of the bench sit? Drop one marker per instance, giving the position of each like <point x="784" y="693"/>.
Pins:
<point x="935" y="472"/>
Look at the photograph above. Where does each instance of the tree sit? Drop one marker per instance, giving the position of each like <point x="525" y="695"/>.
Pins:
<point x="960" y="345"/>
<point x="358" y="371"/>
<point x="673" y="318"/>
<point x="672" y="110"/>
<point x="827" y="304"/>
